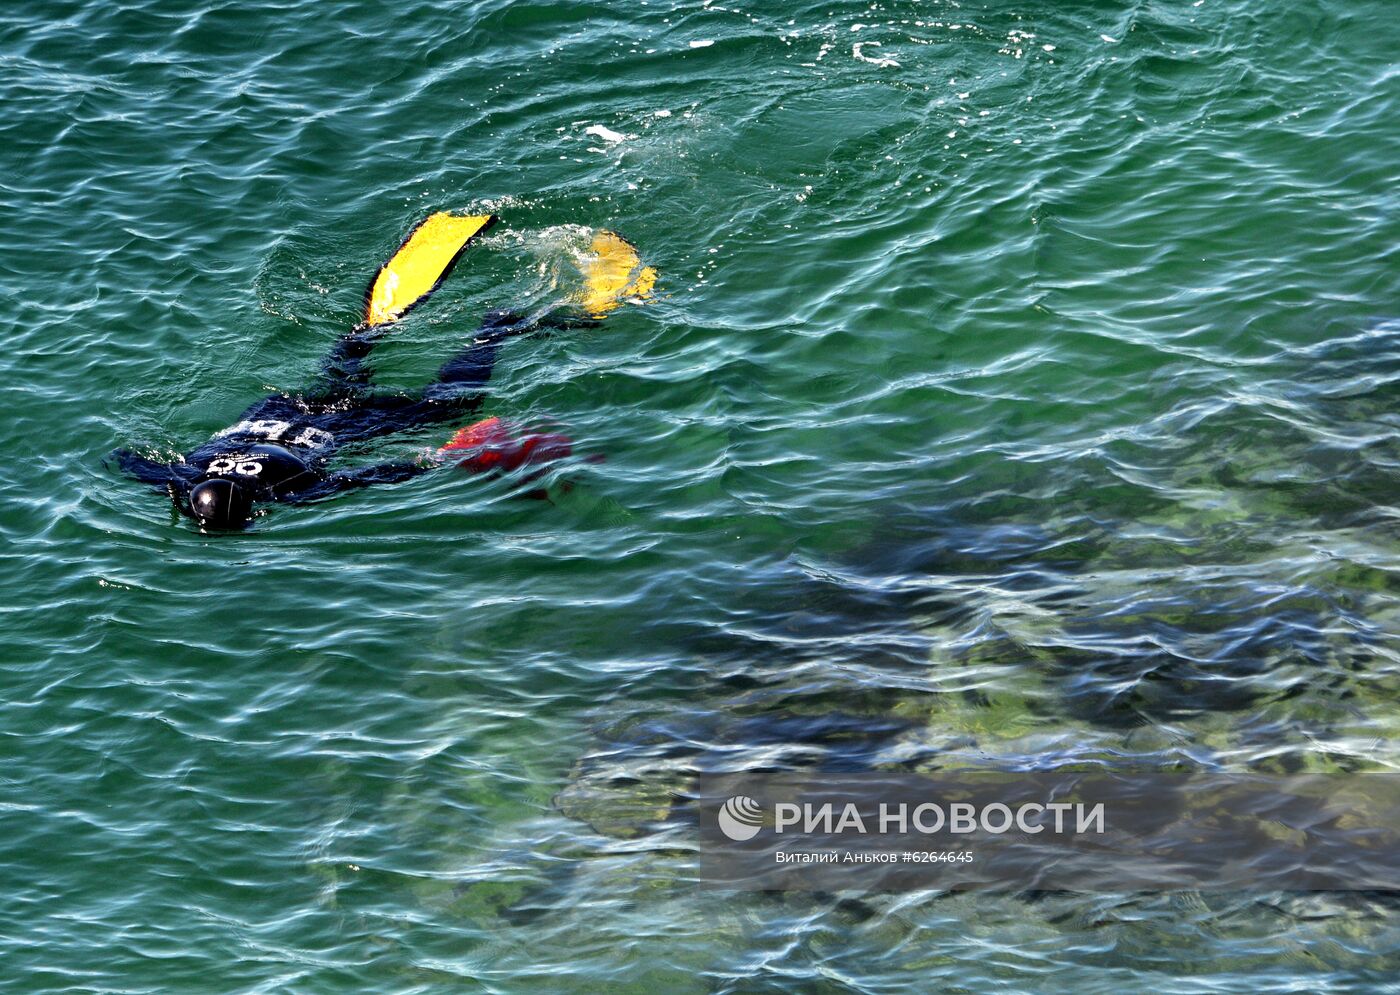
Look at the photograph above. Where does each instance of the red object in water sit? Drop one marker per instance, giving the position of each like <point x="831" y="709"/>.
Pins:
<point x="494" y="445"/>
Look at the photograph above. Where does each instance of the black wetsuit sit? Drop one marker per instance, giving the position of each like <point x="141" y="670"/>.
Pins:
<point x="280" y="447"/>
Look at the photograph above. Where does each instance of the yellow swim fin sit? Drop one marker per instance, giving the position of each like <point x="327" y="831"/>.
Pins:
<point x="422" y="262"/>
<point x="613" y="274"/>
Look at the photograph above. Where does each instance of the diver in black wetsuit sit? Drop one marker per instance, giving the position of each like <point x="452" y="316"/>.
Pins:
<point x="279" y="448"/>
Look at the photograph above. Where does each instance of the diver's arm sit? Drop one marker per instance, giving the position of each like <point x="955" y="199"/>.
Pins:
<point x="489" y="446"/>
<point x="345" y="480"/>
<point x="148" y="471"/>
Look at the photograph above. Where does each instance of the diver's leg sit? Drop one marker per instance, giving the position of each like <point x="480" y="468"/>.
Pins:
<point x="456" y="391"/>
<point x="470" y="370"/>
<point x="345" y="370"/>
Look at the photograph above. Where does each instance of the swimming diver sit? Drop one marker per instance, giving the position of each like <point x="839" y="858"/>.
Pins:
<point x="280" y="447"/>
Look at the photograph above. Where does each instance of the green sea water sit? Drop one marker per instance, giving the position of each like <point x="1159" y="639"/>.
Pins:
<point x="1020" y="389"/>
